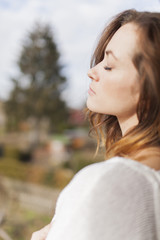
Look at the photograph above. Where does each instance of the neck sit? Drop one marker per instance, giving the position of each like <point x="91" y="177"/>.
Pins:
<point x="127" y="123"/>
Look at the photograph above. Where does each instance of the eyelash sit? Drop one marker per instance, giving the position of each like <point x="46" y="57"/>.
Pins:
<point x="108" y="68"/>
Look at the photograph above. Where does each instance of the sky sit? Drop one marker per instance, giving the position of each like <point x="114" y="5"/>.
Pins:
<point x="76" y="26"/>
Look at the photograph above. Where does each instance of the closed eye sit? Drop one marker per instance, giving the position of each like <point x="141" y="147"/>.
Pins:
<point x="108" y="68"/>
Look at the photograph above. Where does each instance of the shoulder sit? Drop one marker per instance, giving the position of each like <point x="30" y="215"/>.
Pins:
<point x="115" y="176"/>
<point x="115" y="169"/>
<point x="106" y="196"/>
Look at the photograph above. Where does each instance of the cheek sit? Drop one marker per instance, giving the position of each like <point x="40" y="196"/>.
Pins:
<point x="122" y="85"/>
<point x="114" y="87"/>
<point x="119" y="94"/>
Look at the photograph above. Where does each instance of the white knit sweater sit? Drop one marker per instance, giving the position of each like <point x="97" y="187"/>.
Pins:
<point x="117" y="199"/>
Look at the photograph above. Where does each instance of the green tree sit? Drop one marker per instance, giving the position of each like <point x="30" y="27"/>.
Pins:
<point x="37" y="90"/>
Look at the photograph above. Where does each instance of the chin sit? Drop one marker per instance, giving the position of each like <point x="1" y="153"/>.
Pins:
<point x="99" y="108"/>
<point x="90" y="106"/>
<point x="96" y="109"/>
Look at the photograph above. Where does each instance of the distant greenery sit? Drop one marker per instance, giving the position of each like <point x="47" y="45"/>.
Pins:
<point x="81" y="159"/>
<point x="25" y="223"/>
<point x="51" y="176"/>
<point x="36" y="93"/>
<point x="33" y="173"/>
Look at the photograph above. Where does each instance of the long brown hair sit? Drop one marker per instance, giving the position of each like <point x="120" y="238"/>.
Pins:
<point x="147" y="62"/>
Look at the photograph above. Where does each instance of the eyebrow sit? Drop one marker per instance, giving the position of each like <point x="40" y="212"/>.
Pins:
<point x="110" y="52"/>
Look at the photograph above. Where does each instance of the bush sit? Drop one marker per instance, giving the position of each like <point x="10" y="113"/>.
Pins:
<point x="11" y="152"/>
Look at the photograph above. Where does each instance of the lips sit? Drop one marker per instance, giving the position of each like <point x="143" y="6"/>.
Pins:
<point x="91" y="91"/>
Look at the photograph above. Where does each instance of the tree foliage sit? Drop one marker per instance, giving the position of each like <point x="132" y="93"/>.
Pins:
<point x="36" y="91"/>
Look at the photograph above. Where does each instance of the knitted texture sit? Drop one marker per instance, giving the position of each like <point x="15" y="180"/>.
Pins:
<point x="117" y="199"/>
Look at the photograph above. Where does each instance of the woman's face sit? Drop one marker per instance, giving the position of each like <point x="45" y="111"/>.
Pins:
<point x="114" y="89"/>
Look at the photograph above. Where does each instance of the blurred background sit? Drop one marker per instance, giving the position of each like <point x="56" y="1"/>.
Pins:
<point x="45" y="49"/>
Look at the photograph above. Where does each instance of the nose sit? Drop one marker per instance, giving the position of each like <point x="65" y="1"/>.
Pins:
<point x="92" y="75"/>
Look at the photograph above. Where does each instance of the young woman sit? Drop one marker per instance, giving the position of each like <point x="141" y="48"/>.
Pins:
<point x="119" y="198"/>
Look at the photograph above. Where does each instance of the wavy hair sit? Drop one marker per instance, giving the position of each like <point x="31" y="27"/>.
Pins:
<point x="146" y="134"/>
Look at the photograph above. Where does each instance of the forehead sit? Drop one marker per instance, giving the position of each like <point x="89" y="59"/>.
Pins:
<point x="124" y="42"/>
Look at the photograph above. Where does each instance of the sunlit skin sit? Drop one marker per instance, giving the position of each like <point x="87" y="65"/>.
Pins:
<point x="42" y="233"/>
<point x="114" y="88"/>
